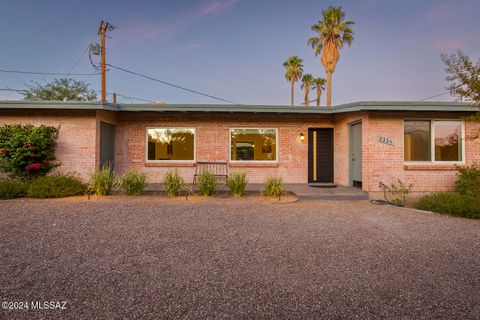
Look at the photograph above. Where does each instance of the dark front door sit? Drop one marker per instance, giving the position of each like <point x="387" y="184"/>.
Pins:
<point x="107" y="144"/>
<point x="320" y="155"/>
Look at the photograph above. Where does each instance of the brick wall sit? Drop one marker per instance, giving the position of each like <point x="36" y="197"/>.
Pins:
<point x="76" y="140"/>
<point x="386" y="163"/>
<point x="212" y="139"/>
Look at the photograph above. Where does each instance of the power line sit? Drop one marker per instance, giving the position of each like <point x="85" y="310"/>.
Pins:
<point x="48" y="73"/>
<point x="15" y="90"/>
<point x="78" y="60"/>
<point x="171" y="84"/>
<point x="203" y="61"/>
<point x="437" y="95"/>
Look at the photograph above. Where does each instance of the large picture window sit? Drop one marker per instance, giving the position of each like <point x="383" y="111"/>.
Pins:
<point x="171" y="144"/>
<point x="253" y="145"/>
<point x="433" y="141"/>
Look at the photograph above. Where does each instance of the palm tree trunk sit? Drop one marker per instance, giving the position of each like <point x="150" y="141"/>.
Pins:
<point x="329" y="89"/>
<point x="306" y="97"/>
<point x="319" y="93"/>
<point x="293" y="84"/>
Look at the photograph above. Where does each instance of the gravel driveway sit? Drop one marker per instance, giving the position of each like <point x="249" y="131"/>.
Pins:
<point x="151" y="257"/>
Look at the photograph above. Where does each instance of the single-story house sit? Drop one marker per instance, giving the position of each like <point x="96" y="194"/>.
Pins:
<point x="356" y="144"/>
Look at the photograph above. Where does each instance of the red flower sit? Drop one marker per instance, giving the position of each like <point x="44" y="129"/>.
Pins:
<point x="33" y="166"/>
<point x="4" y="151"/>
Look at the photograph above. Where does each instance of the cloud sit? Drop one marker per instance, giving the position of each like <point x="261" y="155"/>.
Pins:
<point x="441" y="12"/>
<point x="449" y="44"/>
<point x="193" y="46"/>
<point x="169" y="28"/>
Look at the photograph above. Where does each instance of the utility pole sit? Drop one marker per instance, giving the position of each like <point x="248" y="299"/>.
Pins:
<point x="104" y="27"/>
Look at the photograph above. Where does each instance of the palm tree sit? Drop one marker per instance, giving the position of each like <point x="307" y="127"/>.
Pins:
<point x="307" y="81"/>
<point x="294" y="70"/>
<point x="319" y="84"/>
<point x="333" y="33"/>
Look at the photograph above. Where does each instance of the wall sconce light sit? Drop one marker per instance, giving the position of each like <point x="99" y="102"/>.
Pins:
<point x="302" y="137"/>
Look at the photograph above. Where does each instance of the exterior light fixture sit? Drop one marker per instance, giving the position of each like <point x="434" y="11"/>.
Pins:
<point x="302" y="137"/>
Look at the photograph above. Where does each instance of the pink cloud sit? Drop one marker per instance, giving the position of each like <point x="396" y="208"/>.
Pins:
<point x="441" y="12"/>
<point x="448" y="44"/>
<point x="169" y="28"/>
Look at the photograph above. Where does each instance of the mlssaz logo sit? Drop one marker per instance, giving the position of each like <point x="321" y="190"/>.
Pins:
<point x="49" y="305"/>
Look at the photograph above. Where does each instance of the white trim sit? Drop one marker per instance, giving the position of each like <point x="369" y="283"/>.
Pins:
<point x="432" y="142"/>
<point x="172" y="161"/>
<point x="251" y="161"/>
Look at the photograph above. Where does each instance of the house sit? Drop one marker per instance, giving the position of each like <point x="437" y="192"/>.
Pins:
<point x="357" y="144"/>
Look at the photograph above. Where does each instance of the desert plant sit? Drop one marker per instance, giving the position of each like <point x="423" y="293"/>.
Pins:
<point x="102" y="181"/>
<point x="294" y="70"/>
<point x="132" y="182"/>
<point x="398" y="192"/>
<point x="173" y="183"/>
<point x="273" y="187"/>
<point x="207" y="182"/>
<point x="451" y="203"/>
<point x="56" y="186"/>
<point x="237" y="183"/>
<point x="27" y="151"/>
<point x="10" y="189"/>
<point x="468" y="182"/>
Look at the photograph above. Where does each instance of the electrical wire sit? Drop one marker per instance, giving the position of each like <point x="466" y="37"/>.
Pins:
<point x="171" y="84"/>
<point x="78" y="60"/>
<point x="48" y="73"/>
<point x="437" y="95"/>
<point x="14" y="90"/>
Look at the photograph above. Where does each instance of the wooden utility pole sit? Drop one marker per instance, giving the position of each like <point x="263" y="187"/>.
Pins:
<point x="104" y="27"/>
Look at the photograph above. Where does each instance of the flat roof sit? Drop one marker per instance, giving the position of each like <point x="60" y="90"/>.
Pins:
<point x="222" y="108"/>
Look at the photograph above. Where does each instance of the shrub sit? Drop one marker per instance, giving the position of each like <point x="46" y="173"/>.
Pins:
<point x="207" y="183"/>
<point x="399" y="192"/>
<point x="468" y="182"/>
<point x="101" y="181"/>
<point x="132" y="182"/>
<point x="56" y="186"/>
<point x="273" y="187"/>
<point x="10" y="189"/>
<point x="173" y="183"/>
<point x="27" y="151"/>
<point x="237" y="183"/>
<point x="451" y="203"/>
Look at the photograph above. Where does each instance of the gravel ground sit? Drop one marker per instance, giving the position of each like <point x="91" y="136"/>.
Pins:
<point x="151" y="257"/>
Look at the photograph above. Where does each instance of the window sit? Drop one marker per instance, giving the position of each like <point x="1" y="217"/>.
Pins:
<point x="171" y="144"/>
<point x="435" y="140"/>
<point x="253" y="144"/>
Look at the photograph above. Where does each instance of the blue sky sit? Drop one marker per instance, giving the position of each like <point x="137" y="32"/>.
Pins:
<point x="234" y="49"/>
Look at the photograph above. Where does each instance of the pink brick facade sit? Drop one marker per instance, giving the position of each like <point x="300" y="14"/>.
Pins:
<point x="79" y="144"/>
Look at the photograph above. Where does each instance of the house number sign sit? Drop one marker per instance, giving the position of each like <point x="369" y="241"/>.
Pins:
<point x="385" y="140"/>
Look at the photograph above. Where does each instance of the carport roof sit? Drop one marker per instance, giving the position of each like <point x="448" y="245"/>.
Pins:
<point x="222" y="108"/>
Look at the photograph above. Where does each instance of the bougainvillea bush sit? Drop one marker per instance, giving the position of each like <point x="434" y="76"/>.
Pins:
<point x="27" y="151"/>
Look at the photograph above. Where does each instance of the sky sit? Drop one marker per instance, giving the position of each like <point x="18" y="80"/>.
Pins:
<point x="234" y="49"/>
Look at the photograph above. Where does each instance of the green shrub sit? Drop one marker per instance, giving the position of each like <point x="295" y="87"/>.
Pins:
<point x="101" y="181"/>
<point x="132" y="182"/>
<point x="468" y="182"/>
<point x="451" y="203"/>
<point x="237" y="183"/>
<point x="27" y="151"/>
<point x="10" y="189"/>
<point x="173" y="183"/>
<point x="398" y="192"/>
<point x="207" y="182"/>
<point x="56" y="186"/>
<point x="273" y="187"/>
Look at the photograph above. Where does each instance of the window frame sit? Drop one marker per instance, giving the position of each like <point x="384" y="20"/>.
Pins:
<point x="172" y="161"/>
<point x="251" y="161"/>
<point x="432" y="141"/>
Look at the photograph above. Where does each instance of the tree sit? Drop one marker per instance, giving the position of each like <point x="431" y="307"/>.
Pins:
<point x="294" y="70"/>
<point x="463" y="76"/>
<point x="319" y="85"/>
<point x="333" y="33"/>
<point x="64" y="89"/>
<point x="307" y="81"/>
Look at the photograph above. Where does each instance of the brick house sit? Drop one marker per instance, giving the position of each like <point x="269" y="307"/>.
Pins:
<point x="357" y="144"/>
